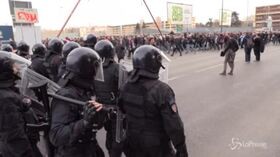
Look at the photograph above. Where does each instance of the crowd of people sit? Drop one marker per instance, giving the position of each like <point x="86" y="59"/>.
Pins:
<point x="182" y="43"/>
<point x="173" y="43"/>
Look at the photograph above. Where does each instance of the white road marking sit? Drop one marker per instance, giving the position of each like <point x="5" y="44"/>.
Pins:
<point x="208" y="68"/>
<point x="176" y="77"/>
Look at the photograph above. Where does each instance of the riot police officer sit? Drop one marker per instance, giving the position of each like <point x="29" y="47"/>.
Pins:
<point x="14" y="141"/>
<point x="53" y="58"/>
<point x="23" y="50"/>
<point x="152" y="115"/>
<point x="107" y="92"/>
<point x="90" y="41"/>
<point x="66" y="49"/>
<point x="7" y="47"/>
<point x="39" y="50"/>
<point x="72" y="127"/>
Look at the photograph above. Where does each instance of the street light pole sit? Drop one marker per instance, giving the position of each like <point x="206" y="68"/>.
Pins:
<point x="222" y="16"/>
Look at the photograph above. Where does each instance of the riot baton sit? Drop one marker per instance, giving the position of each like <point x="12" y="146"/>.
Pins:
<point x="153" y="18"/>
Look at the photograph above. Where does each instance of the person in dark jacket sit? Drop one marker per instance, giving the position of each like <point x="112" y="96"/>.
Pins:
<point x="153" y="121"/>
<point x="177" y="46"/>
<point x="257" y="47"/>
<point x="74" y="127"/>
<point x="120" y="50"/>
<point x="14" y="141"/>
<point x="248" y="45"/>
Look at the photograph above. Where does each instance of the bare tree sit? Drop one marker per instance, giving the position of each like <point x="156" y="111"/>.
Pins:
<point x="235" y="22"/>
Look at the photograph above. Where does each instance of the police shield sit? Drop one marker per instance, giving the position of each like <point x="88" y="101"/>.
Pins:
<point x="99" y="73"/>
<point x="28" y="76"/>
<point x="31" y="78"/>
<point x="22" y="62"/>
<point x="163" y="73"/>
<point x="124" y="68"/>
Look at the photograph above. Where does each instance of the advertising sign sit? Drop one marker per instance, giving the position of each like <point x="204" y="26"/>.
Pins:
<point x="23" y="15"/>
<point x="179" y="13"/>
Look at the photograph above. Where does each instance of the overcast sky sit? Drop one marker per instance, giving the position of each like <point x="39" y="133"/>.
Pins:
<point x="53" y="13"/>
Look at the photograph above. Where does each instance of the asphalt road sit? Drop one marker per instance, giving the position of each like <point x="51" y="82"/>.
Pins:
<point x="228" y="116"/>
<point x="232" y="116"/>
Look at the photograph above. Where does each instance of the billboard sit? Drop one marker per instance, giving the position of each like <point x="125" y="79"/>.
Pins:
<point x="6" y="33"/>
<point x="24" y="15"/>
<point x="179" y="13"/>
<point x="227" y="14"/>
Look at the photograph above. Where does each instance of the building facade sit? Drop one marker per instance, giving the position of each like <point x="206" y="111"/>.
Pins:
<point x="265" y="14"/>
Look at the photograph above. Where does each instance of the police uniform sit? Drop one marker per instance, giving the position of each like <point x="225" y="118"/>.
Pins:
<point x="71" y="128"/>
<point x="107" y="93"/>
<point x="53" y="58"/>
<point x="90" y="41"/>
<point x="23" y="50"/>
<point x="14" y="141"/>
<point x="151" y="112"/>
<point x="37" y="59"/>
<point x="66" y="49"/>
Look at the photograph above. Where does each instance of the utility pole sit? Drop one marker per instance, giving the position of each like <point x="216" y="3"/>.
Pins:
<point x="248" y="13"/>
<point x="222" y="16"/>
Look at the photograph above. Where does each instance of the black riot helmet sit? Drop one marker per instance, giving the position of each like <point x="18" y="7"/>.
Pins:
<point x="85" y="63"/>
<point x="148" y="58"/>
<point x="7" y="47"/>
<point x="39" y="49"/>
<point x="90" y="41"/>
<point x="55" y="45"/>
<point x="13" y="44"/>
<point x="67" y="48"/>
<point x="7" y="73"/>
<point x="105" y="49"/>
<point x="23" y="47"/>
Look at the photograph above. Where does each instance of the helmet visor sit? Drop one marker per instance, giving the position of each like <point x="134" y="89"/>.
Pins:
<point x="20" y="62"/>
<point x="16" y="58"/>
<point x="163" y="55"/>
<point x="99" y="71"/>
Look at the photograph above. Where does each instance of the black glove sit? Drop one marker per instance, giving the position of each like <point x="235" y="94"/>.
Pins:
<point x="89" y="115"/>
<point x="181" y="151"/>
<point x="25" y="104"/>
<point x="222" y="53"/>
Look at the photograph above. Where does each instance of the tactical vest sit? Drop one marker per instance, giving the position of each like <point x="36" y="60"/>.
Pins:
<point x="51" y="69"/>
<point x="142" y="109"/>
<point x="107" y="91"/>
